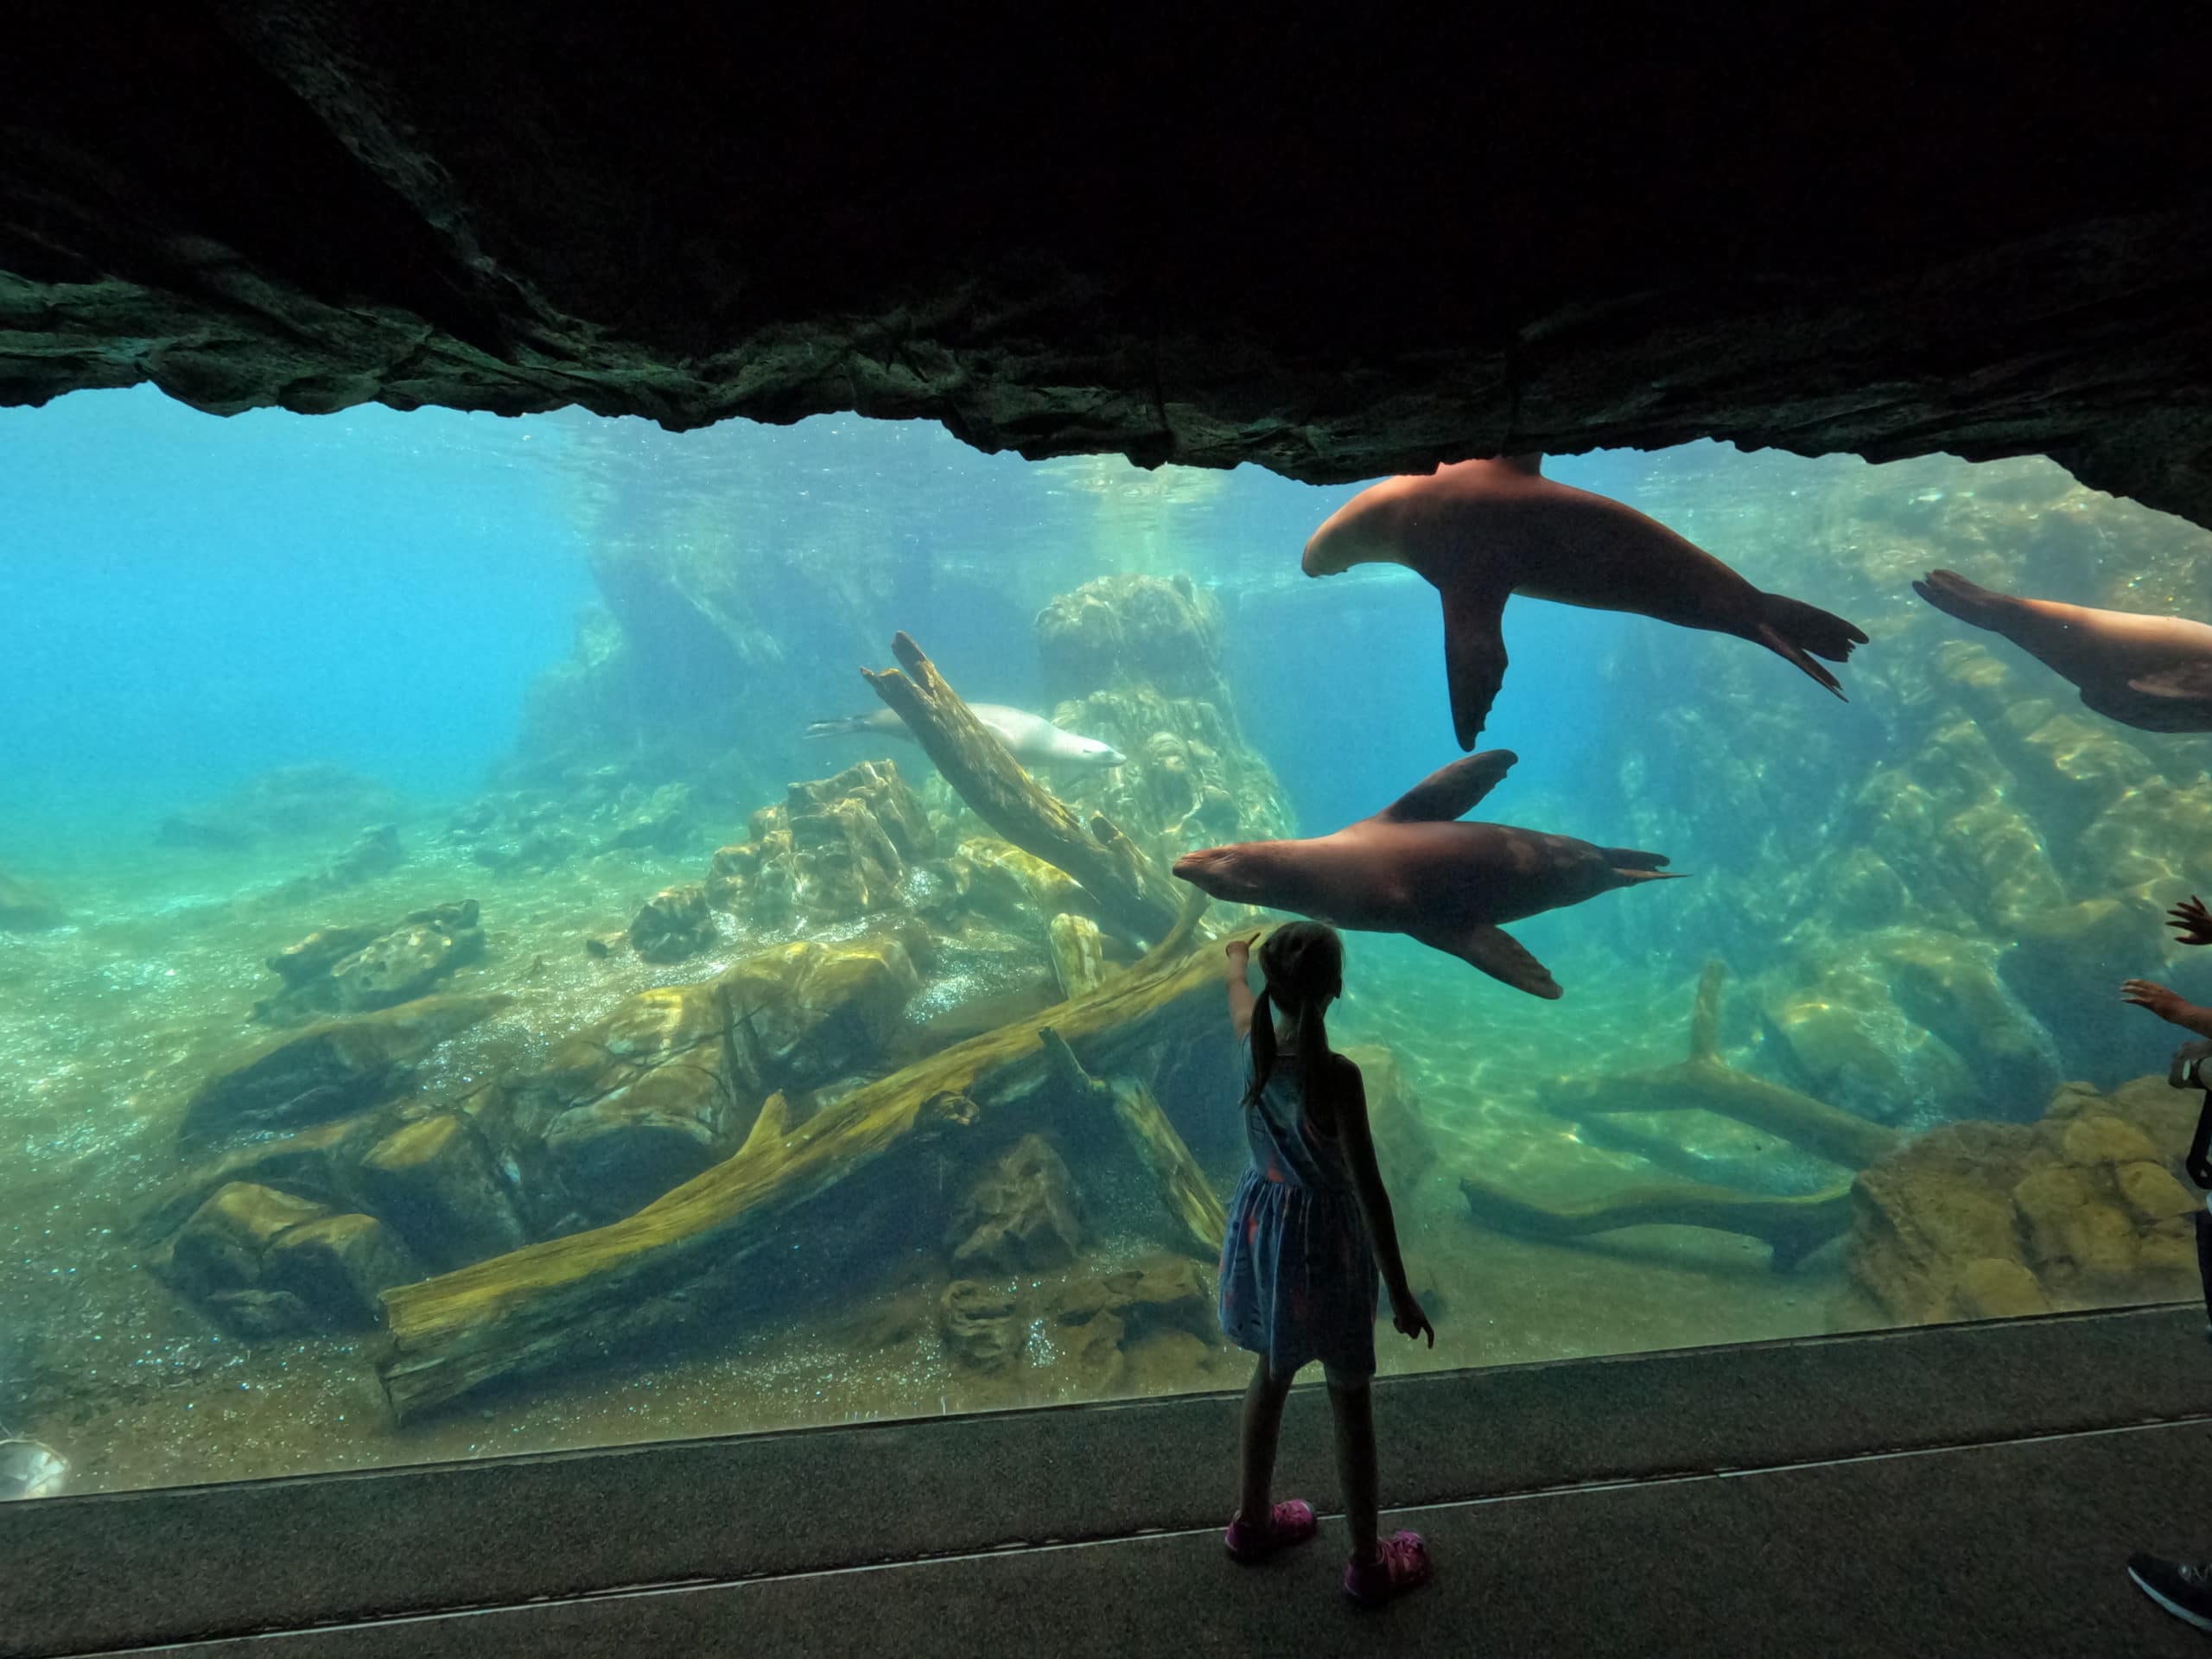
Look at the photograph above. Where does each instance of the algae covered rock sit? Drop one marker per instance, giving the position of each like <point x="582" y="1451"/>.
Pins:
<point x="675" y="923"/>
<point x="27" y="909"/>
<point x="338" y="1266"/>
<point x="835" y="849"/>
<point x="813" y="1012"/>
<point x="643" y="1100"/>
<point x="1019" y="1214"/>
<point x="220" y="1247"/>
<point x="360" y="968"/>
<point x="2082" y="1208"/>
<point x="979" y="1326"/>
<point x="329" y="1070"/>
<point x="437" y="1183"/>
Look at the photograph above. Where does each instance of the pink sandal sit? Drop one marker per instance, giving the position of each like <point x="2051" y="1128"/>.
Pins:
<point x="1290" y="1524"/>
<point x="1400" y="1564"/>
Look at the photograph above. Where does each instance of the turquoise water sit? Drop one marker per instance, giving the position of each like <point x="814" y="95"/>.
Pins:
<point x="558" y="662"/>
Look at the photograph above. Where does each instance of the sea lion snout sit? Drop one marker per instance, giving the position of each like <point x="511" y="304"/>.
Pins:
<point x="1215" y="870"/>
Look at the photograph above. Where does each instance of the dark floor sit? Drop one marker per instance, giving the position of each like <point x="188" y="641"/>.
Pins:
<point x="1958" y="1491"/>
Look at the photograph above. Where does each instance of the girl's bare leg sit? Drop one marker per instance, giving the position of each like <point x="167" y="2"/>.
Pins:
<point x="1264" y="1403"/>
<point x="1352" y="1406"/>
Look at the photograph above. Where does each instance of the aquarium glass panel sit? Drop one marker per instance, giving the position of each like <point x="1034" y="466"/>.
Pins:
<point x="484" y="969"/>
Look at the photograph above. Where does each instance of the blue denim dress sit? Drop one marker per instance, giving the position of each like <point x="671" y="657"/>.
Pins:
<point x="1298" y="1276"/>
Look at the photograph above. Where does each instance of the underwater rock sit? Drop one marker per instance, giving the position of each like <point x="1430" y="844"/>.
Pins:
<point x="1078" y="954"/>
<point x="338" y="1267"/>
<point x="663" y="823"/>
<point x="1405" y="1145"/>
<point x="27" y="909"/>
<point x="221" y="1247"/>
<point x="643" y="1100"/>
<point x="1133" y="630"/>
<point x="1000" y="881"/>
<point x="375" y="852"/>
<point x="436" y="1182"/>
<point x="256" y="1314"/>
<point x="329" y="1070"/>
<point x="361" y="970"/>
<point x="835" y="849"/>
<point x="1018" y="1216"/>
<point x="675" y="923"/>
<point x="316" y="954"/>
<point x="809" y="1013"/>
<point x="290" y="801"/>
<point x="979" y="1325"/>
<point x="319" y="1163"/>
<point x="1155" y="1294"/>
<point x="1136" y="661"/>
<point x="2079" y="1209"/>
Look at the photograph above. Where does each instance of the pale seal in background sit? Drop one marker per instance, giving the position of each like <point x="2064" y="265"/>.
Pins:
<point x="1411" y="870"/>
<point x="1482" y="531"/>
<point x="1034" y="740"/>
<point x="2152" y="672"/>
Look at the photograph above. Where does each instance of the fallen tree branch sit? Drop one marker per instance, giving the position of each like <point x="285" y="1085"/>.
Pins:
<point x="565" y="1298"/>
<point x="1183" y="1186"/>
<point x="1135" y="897"/>
<point x="1706" y="1081"/>
<point x="1794" y="1226"/>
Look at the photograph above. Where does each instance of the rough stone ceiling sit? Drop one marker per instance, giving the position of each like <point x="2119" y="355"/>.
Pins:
<point x="1221" y="238"/>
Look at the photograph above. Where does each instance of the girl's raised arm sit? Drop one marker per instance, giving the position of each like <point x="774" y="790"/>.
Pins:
<point x="1235" y="954"/>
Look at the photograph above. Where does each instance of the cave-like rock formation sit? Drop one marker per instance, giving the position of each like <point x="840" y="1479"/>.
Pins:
<point x="1206" y="238"/>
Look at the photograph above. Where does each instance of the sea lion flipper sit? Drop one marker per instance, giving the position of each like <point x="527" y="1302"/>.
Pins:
<point x="1498" y="954"/>
<point x="1474" y="652"/>
<point x="1449" y="791"/>
<point x="2191" y="682"/>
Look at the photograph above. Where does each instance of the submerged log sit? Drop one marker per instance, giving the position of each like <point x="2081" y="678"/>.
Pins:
<point x="1133" y="895"/>
<point x="1184" y="1189"/>
<point x="567" y="1297"/>
<point x="1794" y="1226"/>
<point x="1704" y="1081"/>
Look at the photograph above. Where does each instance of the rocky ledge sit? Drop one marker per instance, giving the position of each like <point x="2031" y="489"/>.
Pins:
<point x="1955" y="237"/>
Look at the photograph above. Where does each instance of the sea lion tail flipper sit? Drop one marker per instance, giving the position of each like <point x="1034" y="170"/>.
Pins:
<point x="1498" y="954"/>
<point x="1822" y="632"/>
<point x="838" y="727"/>
<point x="1474" y="654"/>
<point x="1629" y="858"/>
<point x="2186" y="682"/>
<point x="1449" y="791"/>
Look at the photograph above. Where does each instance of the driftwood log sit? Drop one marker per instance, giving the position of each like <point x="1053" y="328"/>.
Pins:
<point x="1134" y="896"/>
<point x="1707" y="1082"/>
<point x="1184" y="1189"/>
<point x="1794" y="1226"/>
<point x="569" y="1297"/>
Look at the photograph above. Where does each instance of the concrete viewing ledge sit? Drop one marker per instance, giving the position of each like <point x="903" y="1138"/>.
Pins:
<point x="1707" y="1500"/>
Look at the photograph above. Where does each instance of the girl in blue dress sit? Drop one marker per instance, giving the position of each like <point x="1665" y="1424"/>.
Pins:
<point x="1308" y="1230"/>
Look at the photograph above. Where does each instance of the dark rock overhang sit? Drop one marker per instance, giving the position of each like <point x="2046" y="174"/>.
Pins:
<point x="1212" y="239"/>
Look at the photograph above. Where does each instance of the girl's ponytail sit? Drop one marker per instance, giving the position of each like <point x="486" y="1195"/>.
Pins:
<point x="1263" y="1043"/>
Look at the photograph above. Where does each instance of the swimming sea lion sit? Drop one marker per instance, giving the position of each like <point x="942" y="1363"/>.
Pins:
<point x="2152" y="672"/>
<point x="1482" y="530"/>
<point x="1412" y="869"/>
<point x="1033" y="739"/>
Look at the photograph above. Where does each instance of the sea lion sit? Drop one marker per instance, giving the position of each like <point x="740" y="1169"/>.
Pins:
<point x="1412" y="869"/>
<point x="1482" y="530"/>
<point x="2152" y="672"/>
<point x="1033" y="739"/>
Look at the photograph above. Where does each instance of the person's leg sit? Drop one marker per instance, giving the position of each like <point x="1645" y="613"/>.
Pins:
<point x="1263" y="1403"/>
<point x="1352" y="1403"/>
